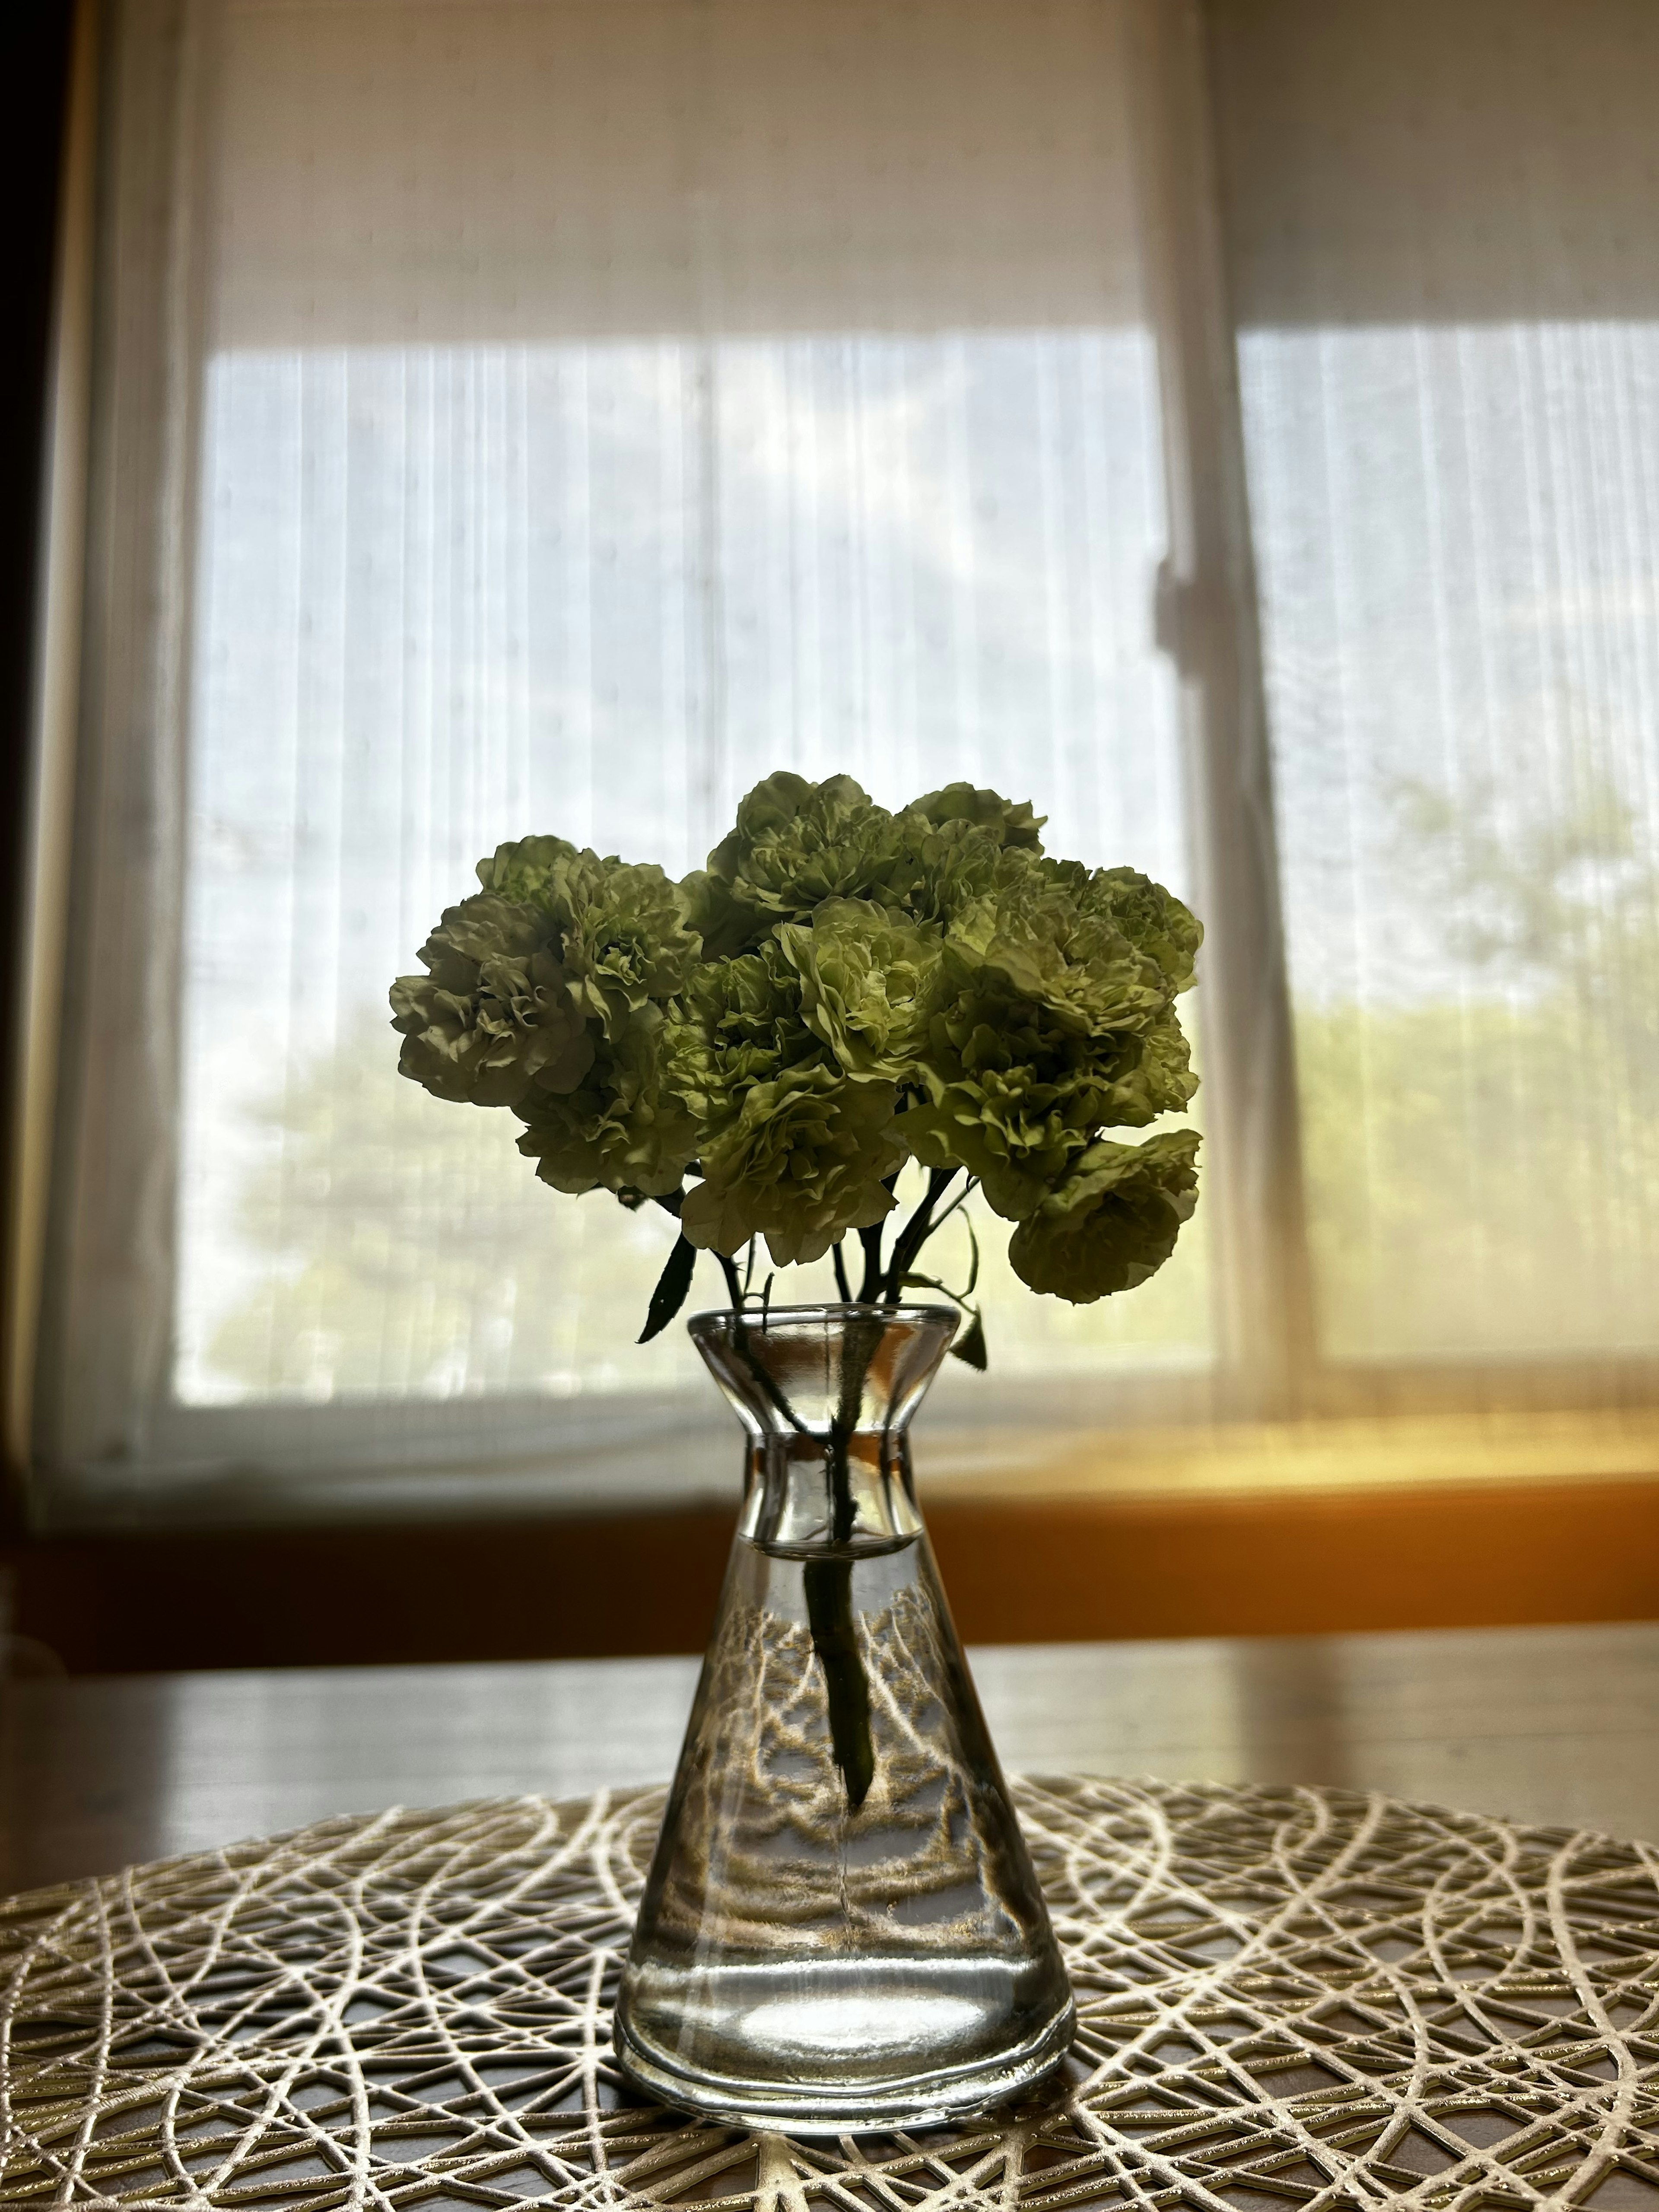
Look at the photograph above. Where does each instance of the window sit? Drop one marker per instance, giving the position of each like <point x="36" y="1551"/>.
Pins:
<point x="1446" y="283"/>
<point x="556" y="414"/>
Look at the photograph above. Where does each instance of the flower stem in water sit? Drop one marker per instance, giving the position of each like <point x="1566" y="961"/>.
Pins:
<point x="829" y="1584"/>
<point x="829" y="1581"/>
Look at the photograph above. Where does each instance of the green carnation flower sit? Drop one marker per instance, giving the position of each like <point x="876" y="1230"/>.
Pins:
<point x="739" y="1022"/>
<point x="790" y="1147"/>
<point x="621" y="1129"/>
<point x="726" y="923"/>
<point x="1153" y="919"/>
<point x="1050" y="1026"/>
<point x="1112" y="1222"/>
<point x="869" y="981"/>
<point x="524" y="870"/>
<point x="967" y="878"/>
<point x="1012" y="822"/>
<point x="1154" y="1075"/>
<point x="1079" y="967"/>
<point x="798" y="843"/>
<point x="1008" y="1095"/>
<point x="496" y="1014"/>
<point x="1008" y="1128"/>
<point x="804" y="1159"/>
<point x="625" y="939"/>
<point x="556" y="941"/>
<point x="621" y="929"/>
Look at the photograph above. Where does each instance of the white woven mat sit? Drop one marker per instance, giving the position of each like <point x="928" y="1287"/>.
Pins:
<point x="1287" y="1996"/>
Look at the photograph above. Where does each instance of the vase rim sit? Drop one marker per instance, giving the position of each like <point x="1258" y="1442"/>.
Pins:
<point x="835" y="1310"/>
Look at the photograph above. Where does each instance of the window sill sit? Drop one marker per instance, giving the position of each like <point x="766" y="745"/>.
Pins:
<point x="1267" y="1459"/>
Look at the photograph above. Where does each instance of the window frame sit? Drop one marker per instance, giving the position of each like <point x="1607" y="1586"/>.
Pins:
<point x="189" y="1465"/>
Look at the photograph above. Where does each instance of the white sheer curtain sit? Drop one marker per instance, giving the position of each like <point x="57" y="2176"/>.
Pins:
<point x="447" y="593"/>
<point x="592" y="407"/>
<point x="1446" y="274"/>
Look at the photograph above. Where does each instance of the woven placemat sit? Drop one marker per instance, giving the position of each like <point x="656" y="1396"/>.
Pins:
<point x="1285" y="1997"/>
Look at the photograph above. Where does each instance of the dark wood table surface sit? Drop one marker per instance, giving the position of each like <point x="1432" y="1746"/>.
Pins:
<point x="1558" y="1725"/>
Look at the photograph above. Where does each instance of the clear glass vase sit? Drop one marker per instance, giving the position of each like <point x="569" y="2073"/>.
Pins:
<point x="842" y="1929"/>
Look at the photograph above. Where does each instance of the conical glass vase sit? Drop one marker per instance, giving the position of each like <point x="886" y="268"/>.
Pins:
<point x="842" y="1929"/>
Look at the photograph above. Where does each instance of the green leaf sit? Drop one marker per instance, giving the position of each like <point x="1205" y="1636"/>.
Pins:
<point x="673" y="1285"/>
<point x="970" y="1348"/>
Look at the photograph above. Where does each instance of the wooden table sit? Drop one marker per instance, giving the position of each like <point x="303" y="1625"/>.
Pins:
<point x="1558" y="1725"/>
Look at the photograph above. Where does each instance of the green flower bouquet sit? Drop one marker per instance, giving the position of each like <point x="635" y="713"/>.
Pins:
<point x="761" y="1049"/>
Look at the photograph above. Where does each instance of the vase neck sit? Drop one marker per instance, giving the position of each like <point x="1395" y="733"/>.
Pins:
<point x="826" y="1394"/>
<point x="824" y="1370"/>
<point x="810" y="1495"/>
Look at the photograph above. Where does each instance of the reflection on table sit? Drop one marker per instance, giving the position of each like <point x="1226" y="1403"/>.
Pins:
<point x="1558" y="1725"/>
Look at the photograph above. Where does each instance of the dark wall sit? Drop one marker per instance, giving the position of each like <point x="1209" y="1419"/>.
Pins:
<point x="33" y="64"/>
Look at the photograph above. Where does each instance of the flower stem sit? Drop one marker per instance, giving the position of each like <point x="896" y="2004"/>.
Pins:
<point x="829" y="1581"/>
<point x="915" y="1234"/>
<point x="828" y="1591"/>
<point x="869" y="1288"/>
